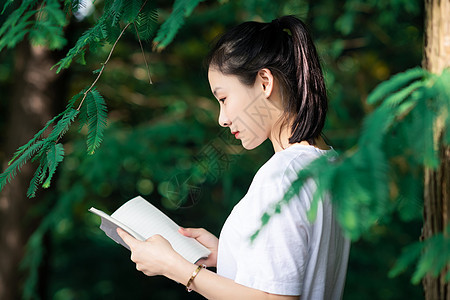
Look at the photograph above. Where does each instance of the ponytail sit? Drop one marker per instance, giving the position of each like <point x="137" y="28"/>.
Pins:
<point x="291" y="57"/>
<point x="311" y="105"/>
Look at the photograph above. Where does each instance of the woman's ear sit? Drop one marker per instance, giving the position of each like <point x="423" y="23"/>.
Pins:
<point x="266" y="80"/>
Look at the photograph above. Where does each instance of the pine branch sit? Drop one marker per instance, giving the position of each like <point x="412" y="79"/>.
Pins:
<point x="48" y="27"/>
<point x="181" y="10"/>
<point x="15" y="29"/>
<point x="431" y="254"/>
<point x="61" y="127"/>
<point x="94" y="34"/>
<point x="12" y="170"/>
<point x="396" y="99"/>
<point x="23" y="148"/>
<point x="71" y="6"/>
<point x="97" y="115"/>
<point x="106" y="62"/>
<point x="116" y="11"/>
<point x="44" y="165"/>
<point x="376" y="125"/>
<point x="131" y="9"/>
<point x="17" y="15"/>
<point x="103" y="67"/>
<point x="146" y="22"/>
<point x="7" y="4"/>
<point x="55" y="155"/>
<point x="396" y="82"/>
<point x="44" y="25"/>
<point x="34" y="182"/>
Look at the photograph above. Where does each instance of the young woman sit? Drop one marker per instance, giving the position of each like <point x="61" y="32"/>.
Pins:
<point x="269" y="84"/>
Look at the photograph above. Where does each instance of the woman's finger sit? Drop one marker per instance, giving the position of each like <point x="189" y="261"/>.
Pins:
<point x="191" y="232"/>
<point x="127" y="238"/>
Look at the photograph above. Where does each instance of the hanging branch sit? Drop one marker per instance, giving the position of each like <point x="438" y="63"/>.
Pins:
<point x="103" y="66"/>
<point x="143" y="54"/>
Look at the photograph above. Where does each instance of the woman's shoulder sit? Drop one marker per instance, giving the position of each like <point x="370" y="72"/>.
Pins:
<point x="274" y="178"/>
<point x="292" y="159"/>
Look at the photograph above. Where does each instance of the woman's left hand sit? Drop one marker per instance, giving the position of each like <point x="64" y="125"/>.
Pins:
<point x="152" y="256"/>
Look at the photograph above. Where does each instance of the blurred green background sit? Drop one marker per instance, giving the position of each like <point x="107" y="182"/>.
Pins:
<point x="159" y="135"/>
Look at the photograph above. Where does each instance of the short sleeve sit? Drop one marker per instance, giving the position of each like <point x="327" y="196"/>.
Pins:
<point x="275" y="261"/>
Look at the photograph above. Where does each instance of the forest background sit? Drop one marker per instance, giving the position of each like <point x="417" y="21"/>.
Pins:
<point x="159" y="134"/>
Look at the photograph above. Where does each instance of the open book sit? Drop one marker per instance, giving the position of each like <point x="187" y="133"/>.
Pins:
<point x="142" y="220"/>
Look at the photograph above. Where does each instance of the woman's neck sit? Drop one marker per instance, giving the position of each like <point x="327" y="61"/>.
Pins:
<point x="280" y="140"/>
<point x="281" y="129"/>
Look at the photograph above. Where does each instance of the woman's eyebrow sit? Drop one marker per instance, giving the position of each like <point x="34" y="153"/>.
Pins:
<point x="215" y="90"/>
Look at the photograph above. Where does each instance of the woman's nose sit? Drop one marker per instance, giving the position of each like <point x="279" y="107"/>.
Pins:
<point x="224" y="121"/>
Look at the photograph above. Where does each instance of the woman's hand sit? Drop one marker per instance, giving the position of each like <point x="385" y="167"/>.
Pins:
<point x="205" y="238"/>
<point x="153" y="256"/>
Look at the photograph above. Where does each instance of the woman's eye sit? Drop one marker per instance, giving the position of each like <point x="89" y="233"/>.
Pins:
<point x="222" y="100"/>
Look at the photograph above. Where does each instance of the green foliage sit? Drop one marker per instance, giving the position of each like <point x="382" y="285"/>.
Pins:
<point x="433" y="255"/>
<point x="62" y="126"/>
<point x="145" y="22"/>
<point x="398" y="81"/>
<point x="97" y="114"/>
<point x="55" y="155"/>
<point x="72" y="5"/>
<point x="43" y="23"/>
<point x="7" y="4"/>
<point x="108" y="27"/>
<point x="44" y="26"/>
<point x="22" y="149"/>
<point x="46" y="150"/>
<point x="131" y="9"/>
<point x="15" y="166"/>
<point x="168" y="30"/>
<point x="49" y="162"/>
<point x="96" y="34"/>
<point x="48" y="28"/>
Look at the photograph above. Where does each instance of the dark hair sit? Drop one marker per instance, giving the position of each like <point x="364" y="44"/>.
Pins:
<point x="292" y="59"/>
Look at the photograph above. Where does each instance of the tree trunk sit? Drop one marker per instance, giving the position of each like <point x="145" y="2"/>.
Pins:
<point x="33" y="96"/>
<point x="437" y="182"/>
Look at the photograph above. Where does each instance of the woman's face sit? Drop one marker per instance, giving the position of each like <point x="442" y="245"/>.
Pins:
<point x="244" y="109"/>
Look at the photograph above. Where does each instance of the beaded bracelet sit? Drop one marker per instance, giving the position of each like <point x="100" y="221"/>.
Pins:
<point x="194" y="274"/>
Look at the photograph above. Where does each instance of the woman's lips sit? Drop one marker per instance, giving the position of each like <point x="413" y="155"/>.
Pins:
<point x="236" y="134"/>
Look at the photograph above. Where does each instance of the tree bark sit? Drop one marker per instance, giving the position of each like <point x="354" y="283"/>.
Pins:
<point x="30" y="107"/>
<point x="437" y="182"/>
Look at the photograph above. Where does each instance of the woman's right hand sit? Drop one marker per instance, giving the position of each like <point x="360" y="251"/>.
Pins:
<point x="205" y="238"/>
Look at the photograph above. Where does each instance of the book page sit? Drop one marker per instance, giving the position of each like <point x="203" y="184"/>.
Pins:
<point x="146" y="220"/>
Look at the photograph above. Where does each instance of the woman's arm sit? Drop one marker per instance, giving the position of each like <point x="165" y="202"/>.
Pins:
<point x="214" y="286"/>
<point x="157" y="257"/>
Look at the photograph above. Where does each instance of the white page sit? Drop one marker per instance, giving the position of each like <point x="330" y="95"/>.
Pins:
<point x="146" y="220"/>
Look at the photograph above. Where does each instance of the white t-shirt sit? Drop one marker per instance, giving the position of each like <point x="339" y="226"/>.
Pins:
<point x="290" y="255"/>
